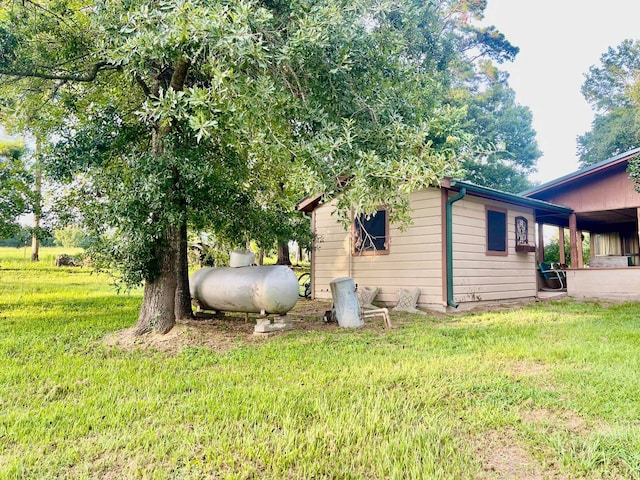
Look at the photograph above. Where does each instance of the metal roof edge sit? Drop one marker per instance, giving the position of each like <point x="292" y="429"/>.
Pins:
<point x="582" y="172"/>
<point x="310" y="203"/>
<point x="514" y="198"/>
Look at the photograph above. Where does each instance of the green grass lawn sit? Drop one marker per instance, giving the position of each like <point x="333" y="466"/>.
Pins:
<point x="547" y="391"/>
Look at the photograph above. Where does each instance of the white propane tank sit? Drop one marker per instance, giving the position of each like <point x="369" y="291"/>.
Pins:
<point x="268" y="289"/>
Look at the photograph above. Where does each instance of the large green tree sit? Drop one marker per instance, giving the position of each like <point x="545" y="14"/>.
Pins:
<point x="15" y="186"/>
<point x="509" y="149"/>
<point x="611" y="89"/>
<point x="173" y="113"/>
<point x="507" y="145"/>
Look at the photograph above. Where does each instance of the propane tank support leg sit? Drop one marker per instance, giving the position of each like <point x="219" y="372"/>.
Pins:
<point x="271" y="325"/>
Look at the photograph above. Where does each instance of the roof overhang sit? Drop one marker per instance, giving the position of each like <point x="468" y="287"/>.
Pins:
<point x="540" y="207"/>
<point x="613" y="163"/>
<point x="309" y="204"/>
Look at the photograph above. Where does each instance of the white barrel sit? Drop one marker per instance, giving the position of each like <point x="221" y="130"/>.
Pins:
<point x="345" y="301"/>
<point x="269" y="289"/>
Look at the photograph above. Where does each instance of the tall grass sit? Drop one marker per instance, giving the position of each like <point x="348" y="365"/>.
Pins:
<point x="552" y="387"/>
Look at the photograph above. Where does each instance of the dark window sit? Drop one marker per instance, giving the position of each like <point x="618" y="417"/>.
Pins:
<point x="496" y="231"/>
<point x="370" y="233"/>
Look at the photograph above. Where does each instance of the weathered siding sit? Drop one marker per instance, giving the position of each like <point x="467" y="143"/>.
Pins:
<point x="610" y="190"/>
<point x="414" y="258"/>
<point x="480" y="277"/>
<point x="330" y="254"/>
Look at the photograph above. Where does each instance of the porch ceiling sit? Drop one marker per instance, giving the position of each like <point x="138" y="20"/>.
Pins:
<point x="606" y="220"/>
<point x="561" y="220"/>
<point x="600" y="221"/>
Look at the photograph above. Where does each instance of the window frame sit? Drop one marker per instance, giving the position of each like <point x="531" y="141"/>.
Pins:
<point x="505" y="212"/>
<point x="372" y="252"/>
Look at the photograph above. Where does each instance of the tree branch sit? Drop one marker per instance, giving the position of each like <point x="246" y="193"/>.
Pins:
<point x="46" y="10"/>
<point x="179" y="76"/>
<point x="145" y="88"/>
<point x="33" y="114"/>
<point x="89" y="76"/>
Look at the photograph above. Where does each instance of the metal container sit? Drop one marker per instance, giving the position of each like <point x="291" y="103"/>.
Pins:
<point x="268" y="289"/>
<point x="241" y="258"/>
<point x="345" y="302"/>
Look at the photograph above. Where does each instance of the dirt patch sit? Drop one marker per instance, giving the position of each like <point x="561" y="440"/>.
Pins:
<point x="524" y="368"/>
<point x="567" y="419"/>
<point x="502" y="457"/>
<point x="225" y="333"/>
<point x="110" y="465"/>
<point x="219" y="336"/>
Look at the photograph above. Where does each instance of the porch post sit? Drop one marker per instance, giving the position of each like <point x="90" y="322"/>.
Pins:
<point x="638" y="224"/>
<point x="563" y="257"/>
<point x="580" y="252"/>
<point x="540" y="243"/>
<point x="573" y="242"/>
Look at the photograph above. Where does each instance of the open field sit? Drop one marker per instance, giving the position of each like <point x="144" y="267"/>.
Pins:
<point x="545" y="391"/>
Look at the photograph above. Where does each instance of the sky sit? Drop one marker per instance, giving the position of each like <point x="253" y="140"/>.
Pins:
<point x="559" y="40"/>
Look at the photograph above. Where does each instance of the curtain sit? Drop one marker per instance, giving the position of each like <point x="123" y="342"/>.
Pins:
<point x="607" y="244"/>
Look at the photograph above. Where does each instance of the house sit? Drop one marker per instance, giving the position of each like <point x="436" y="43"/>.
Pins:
<point x="467" y="245"/>
<point x="470" y="245"/>
<point x="605" y="204"/>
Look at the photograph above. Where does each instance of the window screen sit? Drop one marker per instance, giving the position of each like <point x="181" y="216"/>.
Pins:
<point x="496" y="231"/>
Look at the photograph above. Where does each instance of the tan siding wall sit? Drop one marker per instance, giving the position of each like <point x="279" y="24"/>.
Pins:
<point x="481" y="277"/>
<point x="414" y="259"/>
<point x="330" y="255"/>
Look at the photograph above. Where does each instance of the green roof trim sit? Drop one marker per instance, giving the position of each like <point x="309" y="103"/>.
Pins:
<point x="513" y="198"/>
<point x="311" y="203"/>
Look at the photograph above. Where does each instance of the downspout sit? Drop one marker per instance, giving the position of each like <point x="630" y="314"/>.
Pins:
<point x="449" y="220"/>
<point x="350" y="255"/>
<point x="306" y="216"/>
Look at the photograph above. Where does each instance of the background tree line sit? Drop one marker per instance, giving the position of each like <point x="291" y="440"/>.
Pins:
<point x="613" y="90"/>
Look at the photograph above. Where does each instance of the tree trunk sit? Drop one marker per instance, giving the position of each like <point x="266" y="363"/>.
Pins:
<point x="35" y="241"/>
<point x="260" y="260"/>
<point x="183" y="296"/>
<point x="37" y="208"/>
<point x="157" y="313"/>
<point x="159" y="305"/>
<point x="283" y="254"/>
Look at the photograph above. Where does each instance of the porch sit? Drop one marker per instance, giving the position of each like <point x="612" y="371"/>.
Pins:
<point x="604" y="283"/>
<point x="601" y="258"/>
<point x="545" y="295"/>
<point x="599" y="252"/>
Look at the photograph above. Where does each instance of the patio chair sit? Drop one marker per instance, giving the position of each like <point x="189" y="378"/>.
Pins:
<point x="553" y="278"/>
<point x="377" y="312"/>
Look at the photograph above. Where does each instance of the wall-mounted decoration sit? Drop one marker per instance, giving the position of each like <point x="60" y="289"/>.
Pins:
<point x="522" y="236"/>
